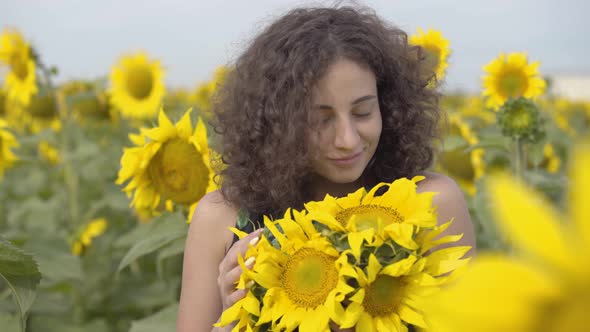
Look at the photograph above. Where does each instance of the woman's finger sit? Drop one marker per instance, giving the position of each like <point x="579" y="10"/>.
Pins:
<point x="231" y="257"/>
<point x="236" y="296"/>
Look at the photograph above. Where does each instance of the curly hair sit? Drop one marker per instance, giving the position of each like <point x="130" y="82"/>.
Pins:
<point x="262" y="110"/>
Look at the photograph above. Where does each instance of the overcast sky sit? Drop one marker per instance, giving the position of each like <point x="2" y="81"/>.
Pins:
<point x="192" y="37"/>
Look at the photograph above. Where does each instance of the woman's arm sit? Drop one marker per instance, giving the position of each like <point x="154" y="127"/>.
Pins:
<point x="208" y="236"/>
<point x="451" y="204"/>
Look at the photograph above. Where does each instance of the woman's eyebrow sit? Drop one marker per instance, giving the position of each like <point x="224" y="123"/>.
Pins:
<point x="355" y="102"/>
<point x="361" y="99"/>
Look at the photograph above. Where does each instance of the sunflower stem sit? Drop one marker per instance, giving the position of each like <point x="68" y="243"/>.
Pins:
<point x="70" y="176"/>
<point x="519" y="158"/>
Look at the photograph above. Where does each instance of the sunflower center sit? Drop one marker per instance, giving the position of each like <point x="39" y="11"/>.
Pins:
<point x="309" y="276"/>
<point x="520" y="118"/>
<point x="43" y="107"/>
<point x="432" y="57"/>
<point x="369" y="216"/>
<point x="383" y="296"/>
<point x="179" y="172"/>
<point x="140" y="82"/>
<point x="19" y="68"/>
<point x="513" y="83"/>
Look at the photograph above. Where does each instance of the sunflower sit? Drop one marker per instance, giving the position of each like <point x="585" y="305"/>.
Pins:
<point x="300" y="277"/>
<point x="367" y="217"/>
<point x="48" y="152"/>
<point x="42" y="113"/>
<point x="464" y="167"/>
<point x="551" y="161"/>
<point x="546" y="278"/>
<point x="13" y="46"/>
<point x="169" y="162"/>
<point x="137" y="86"/>
<point x="94" y="228"/>
<point x="20" y="82"/>
<point x="388" y="295"/>
<point x="88" y="103"/>
<point x="511" y="76"/>
<point x="7" y="143"/>
<point x="204" y="93"/>
<point x="437" y="50"/>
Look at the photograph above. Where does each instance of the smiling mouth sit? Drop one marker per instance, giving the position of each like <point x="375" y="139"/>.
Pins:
<point x="347" y="158"/>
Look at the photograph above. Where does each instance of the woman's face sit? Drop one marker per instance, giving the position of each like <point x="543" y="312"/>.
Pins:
<point x="346" y="111"/>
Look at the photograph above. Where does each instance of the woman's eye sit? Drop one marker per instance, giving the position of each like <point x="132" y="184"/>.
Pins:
<point x="362" y="114"/>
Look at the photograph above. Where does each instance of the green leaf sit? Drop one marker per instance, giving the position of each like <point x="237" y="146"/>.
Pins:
<point x="491" y="142"/>
<point x="536" y="153"/>
<point x="167" y="228"/>
<point x="56" y="262"/>
<point x="453" y="142"/>
<point x="9" y="322"/>
<point x="551" y="184"/>
<point x="487" y="233"/>
<point x="19" y="270"/>
<point x="174" y="248"/>
<point x="163" y="320"/>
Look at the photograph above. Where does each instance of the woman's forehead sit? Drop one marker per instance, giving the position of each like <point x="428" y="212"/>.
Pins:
<point x="344" y="82"/>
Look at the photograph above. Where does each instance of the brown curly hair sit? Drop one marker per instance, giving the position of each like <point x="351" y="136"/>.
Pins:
<point x="262" y="110"/>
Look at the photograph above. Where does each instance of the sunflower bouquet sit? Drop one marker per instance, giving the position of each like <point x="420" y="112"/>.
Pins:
<point x="359" y="261"/>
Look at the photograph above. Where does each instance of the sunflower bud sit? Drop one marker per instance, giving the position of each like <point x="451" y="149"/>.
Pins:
<point x="520" y="119"/>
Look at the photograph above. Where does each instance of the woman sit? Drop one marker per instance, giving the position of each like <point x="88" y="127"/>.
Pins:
<point x="324" y="100"/>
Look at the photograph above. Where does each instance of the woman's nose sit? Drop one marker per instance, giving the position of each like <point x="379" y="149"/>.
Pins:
<point x="346" y="136"/>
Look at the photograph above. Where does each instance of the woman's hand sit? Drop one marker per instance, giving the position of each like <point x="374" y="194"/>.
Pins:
<point x="230" y="270"/>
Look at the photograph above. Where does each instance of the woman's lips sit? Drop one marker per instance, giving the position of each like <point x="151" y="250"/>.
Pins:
<point x="346" y="161"/>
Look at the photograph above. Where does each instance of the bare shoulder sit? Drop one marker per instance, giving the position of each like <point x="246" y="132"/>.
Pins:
<point x="450" y="204"/>
<point x="439" y="183"/>
<point x="213" y="215"/>
<point x="205" y="247"/>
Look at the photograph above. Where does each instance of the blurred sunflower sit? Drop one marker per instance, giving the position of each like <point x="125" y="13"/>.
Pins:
<point x="437" y="50"/>
<point x="48" y="152"/>
<point x="551" y="161"/>
<point x="572" y="117"/>
<point x="547" y="277"/>
<point x="474" y="109"/>
<point x="20" y="82"/>
<point x="3" y="110"/>
<point x="42" y="113"/>
<point x="168" y="163"/>
<point x="87" y="102"/>
<point x="511" y="76"/>
<point x="93" y="229"/>
<point x="464" y="167"/>
<point x="137" y="86"/>
<point x="7" y="143"/>
<point x="204" y="93"/>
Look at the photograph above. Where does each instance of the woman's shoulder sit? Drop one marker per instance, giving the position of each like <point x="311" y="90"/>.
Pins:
<point x="213" y="215"/>
<point x="450" y="204"/>
<point x="439" y="183"/>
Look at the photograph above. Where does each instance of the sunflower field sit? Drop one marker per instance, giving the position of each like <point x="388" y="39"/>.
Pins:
<point x="98" y="179"/>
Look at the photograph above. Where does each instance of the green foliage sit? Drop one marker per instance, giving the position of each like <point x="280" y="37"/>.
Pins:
<point x="164" y="320"/>
<point x="20" y="273"/>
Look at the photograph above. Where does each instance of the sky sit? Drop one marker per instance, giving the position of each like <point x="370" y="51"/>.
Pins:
<point x="191" y="38"/>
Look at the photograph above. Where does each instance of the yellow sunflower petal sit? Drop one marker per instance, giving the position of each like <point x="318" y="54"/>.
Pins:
<point x="399" y="268"/>
<point x="578" y="197"/>
<point x="365" y="323"/>
<point x="528" y="221"/>
<point x="184" y="126"/>
<point x="407" y="314"/>
<point x="480" y="297"/>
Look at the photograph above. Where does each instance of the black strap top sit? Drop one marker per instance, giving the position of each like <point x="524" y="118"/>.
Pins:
<point x="247" y="224"/>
